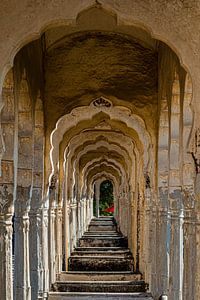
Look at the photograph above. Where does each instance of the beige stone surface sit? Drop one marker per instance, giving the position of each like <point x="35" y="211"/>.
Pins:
<point x="98" y="90"/>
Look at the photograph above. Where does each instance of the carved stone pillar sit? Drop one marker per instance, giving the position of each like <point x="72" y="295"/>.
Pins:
<point x="59" y="256"/>
<point x="73" y="226"/>
<point x="91" y="207"/>
<point x="36" y="262"/>
<point x="79" y="219"/>
<point x="176" y="244"/>
<point x="88" y="211"/>
<point x="97" y="197"/>
<point x="163" y="230"/>
<point x="52" y="236"/>
<point x="6" y="231"/>
<point x="66" y="233"/>
<point x="162" y="252"/>
<point x="22" y="268"/>
<point x="45" y="254"/>
<point x="153" y="246"/>
<point x="189" y="240"/>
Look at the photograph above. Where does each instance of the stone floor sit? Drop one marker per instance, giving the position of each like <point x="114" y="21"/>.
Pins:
<point x="101" y="267"/>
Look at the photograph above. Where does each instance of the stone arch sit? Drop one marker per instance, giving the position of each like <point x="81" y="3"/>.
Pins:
<point x="85" y="138"/>
<point x="89" y="164"/>
<point x="68" y="121"/>
<point x="102" y="144"/>
<point x="67" y="16"/>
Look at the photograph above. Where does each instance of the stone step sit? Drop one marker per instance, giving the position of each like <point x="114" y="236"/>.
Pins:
<point x="101" y="233"/>
<point x="100" y="263"/>
<point x="101" y="227"/>
<point x="98" y="276"/>
<point x="100" y="286"/>
<point x="98" y="296"/>
<point x="103" y="242"/>
<point x="105" y="224"/>
<point x="104" y="218"/>
<point x="124" y="253"/>
<point x="102" y="249"/>
<point x="100" y="268"/>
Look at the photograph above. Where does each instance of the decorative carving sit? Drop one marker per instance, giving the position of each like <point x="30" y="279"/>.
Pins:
<point x="36" y="199"/>
<point x="196" y="150"/>
<point x="103" y="126"/>
<point x="22" y="203"/>
<point x="53" y="182"/>
<point x="2" y="147"/>
<point x="188" y="199"/>
<point x="6" y="201"/>
<point x="101" y="102"/>
<point x="147" y="179"/>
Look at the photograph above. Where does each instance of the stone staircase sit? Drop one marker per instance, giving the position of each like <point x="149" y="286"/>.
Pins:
<point x="100" y="268"/>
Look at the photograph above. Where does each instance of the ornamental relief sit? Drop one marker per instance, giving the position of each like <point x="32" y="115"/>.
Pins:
<point x="195" y="151"/>
<point x="102" y="102"/>
<point x="6" y="200"/>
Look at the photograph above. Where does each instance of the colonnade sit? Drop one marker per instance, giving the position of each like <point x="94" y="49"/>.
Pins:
<point x="49" y="175"/>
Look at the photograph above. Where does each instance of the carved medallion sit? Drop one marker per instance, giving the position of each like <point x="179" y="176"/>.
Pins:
<point x="101" y="102"/>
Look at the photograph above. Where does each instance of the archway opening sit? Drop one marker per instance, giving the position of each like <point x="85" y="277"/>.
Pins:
<point x="106" y="201"/>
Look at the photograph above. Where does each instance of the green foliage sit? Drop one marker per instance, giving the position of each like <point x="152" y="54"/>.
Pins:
<point x="106" y="197"/>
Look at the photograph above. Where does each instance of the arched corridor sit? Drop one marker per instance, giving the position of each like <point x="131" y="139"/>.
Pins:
<point x="88" y="104"/>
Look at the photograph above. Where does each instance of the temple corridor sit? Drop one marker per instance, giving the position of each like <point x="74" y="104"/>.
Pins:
<point x="92" y="103"/>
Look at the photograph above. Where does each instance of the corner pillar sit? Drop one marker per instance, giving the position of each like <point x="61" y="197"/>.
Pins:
<point x="22" y="268"/>
<point x="6" y="232"/>
<point x="36" y="259"/>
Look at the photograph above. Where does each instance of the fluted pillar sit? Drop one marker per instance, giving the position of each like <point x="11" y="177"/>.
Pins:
<point x="36" y="263"/>
<point x="22" y="268"/>
<point x="59" y="256"/>
<point x="176" y="218"/>
<point x="97" y="197"/>
<point x="52" y="236"/>
<point x="6" y="231"/>
<point x="45" y="254"/>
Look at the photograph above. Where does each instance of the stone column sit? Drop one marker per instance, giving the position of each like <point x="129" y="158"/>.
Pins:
<point x="45" y="254"/>
<point x="59" y="255"/>
<point x="197" y="259"/>
<point x="88" y="212"/>
<point x="91" y="207"/>
<point x="79" y="218"/>
<point x="97" y="197"/>
<point x="6" y="231"/>
<point x="190" y="263"/>
<point x="73" y="226"/>
<point x="176" y="245"/>
<point x="162" y="250"/>
<point x="22" y="268"/>
<point x="66" y="232"/>
<point x="36" y="262"/>
<point x="52" y="236"/>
